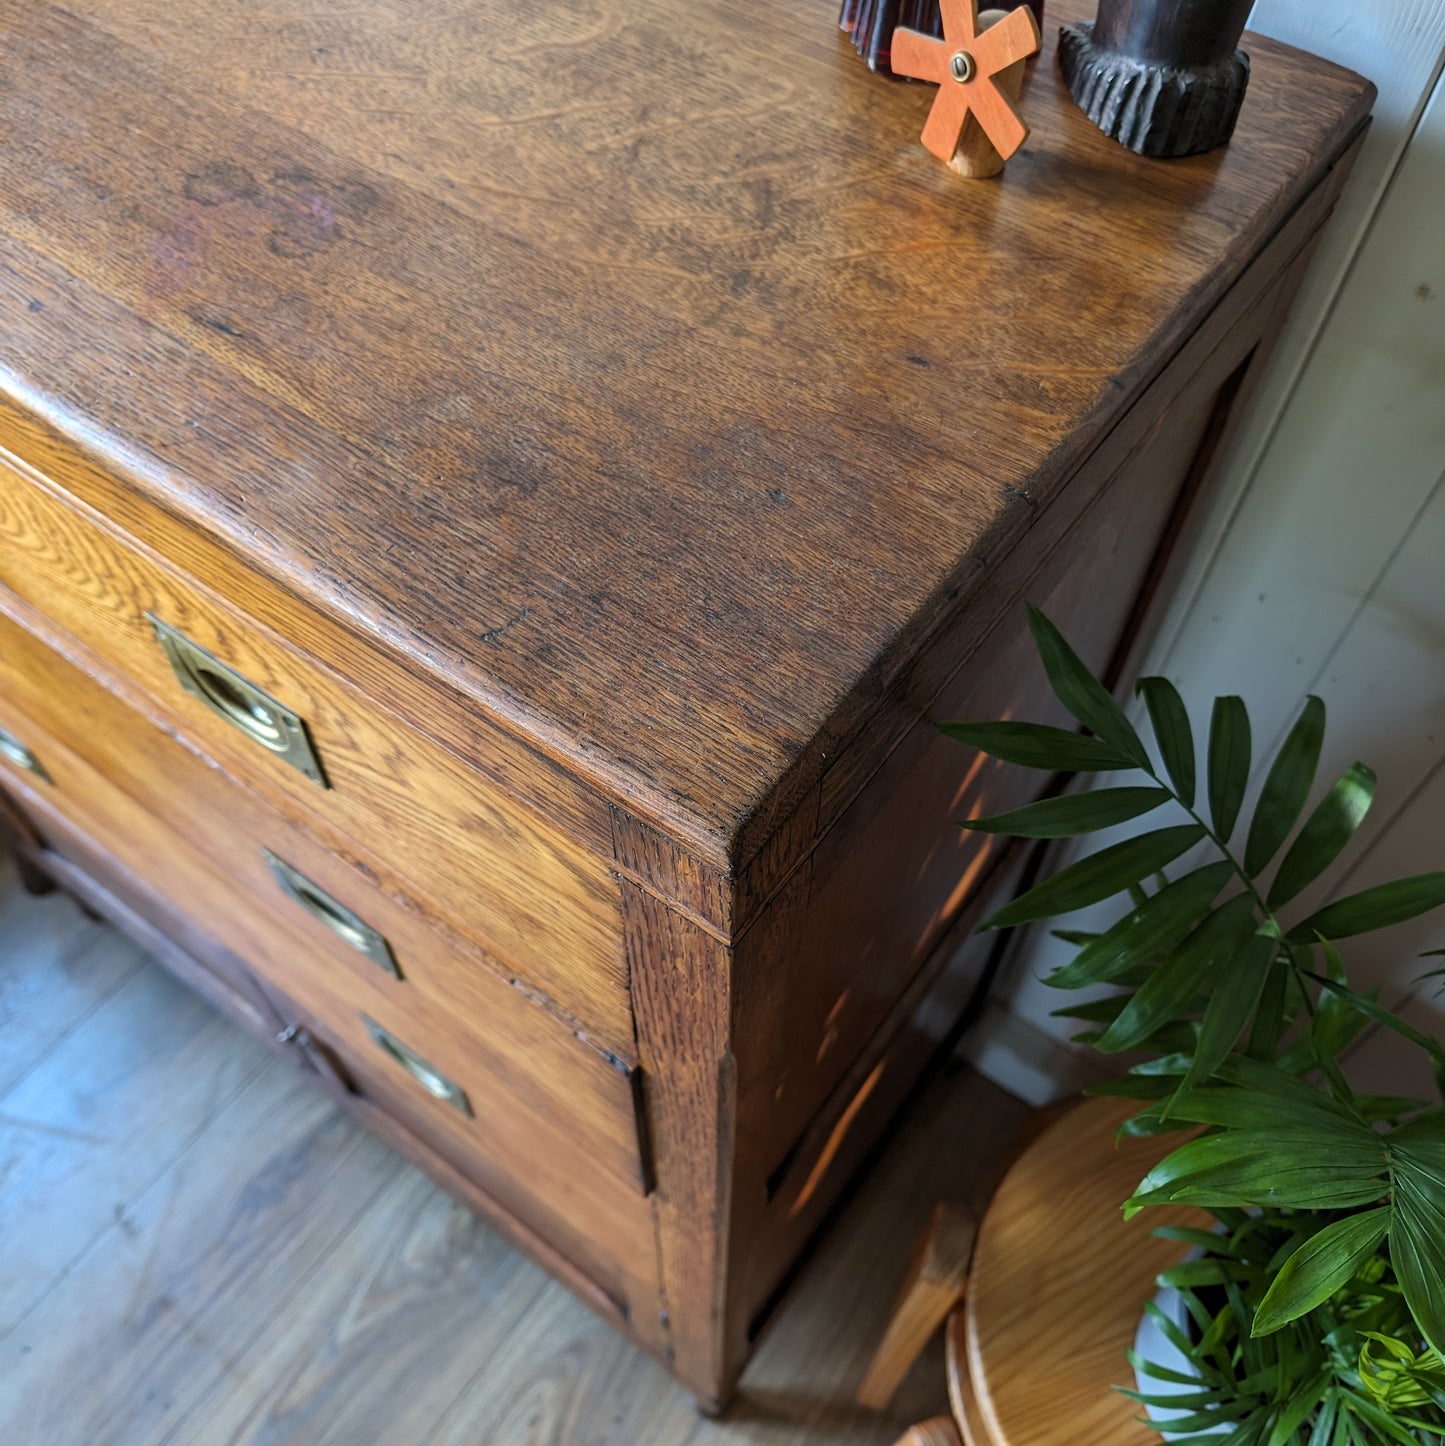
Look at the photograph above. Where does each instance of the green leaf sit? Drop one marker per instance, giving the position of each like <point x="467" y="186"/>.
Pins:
<point x="1206" y="1240"/>
<point x="1335" y="1024"/>
<point x="1146" y="1123"/>
<point x="1378" y="1014"/>
<point x="1147" y="932"/>
<point x="1244" y="1109"/>
<point x="1098" y="877"/>
<point x="1165" y="1064"/>
<point x="1305" y="1167"/>
<point x="1269" y="1017"/>
<point x="1131" y="1087"/>
<point x="1371" y="909"/>
<point x="1417" y="1251"/>
<point x="1156" y="1372"/>
<point x="1305" y="1400"/>
<point x="1082" y="693"/>
<point x="1229" y="746"/>
<point x="1286" y="787"/>
<point x="1170" y="721"/>
<point x="1265" y="1081"/>
<point x="1329" y="829"/>
<point x="1388" y="1107"/>
<point x="1383" y="1424"/>
<point x="1233" y="1000"/>
<point x="1074" y="813"/>
<point x="1094" y="1011"/>
<point x="1325" y="1262"/>
<point x="1401" y="1377"/>
<point x="1177" y="982"/>
<point x="1324" y="1424"/>
<point x="1190" y="1274"/>
<point x="1037" y="745"/>
<point x="1077" y="937"/>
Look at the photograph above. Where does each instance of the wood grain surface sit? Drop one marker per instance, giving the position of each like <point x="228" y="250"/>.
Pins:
<point x="962" y="1401"/>
<point x="932" y="1286"/>
<point x="498" y="872"/>
<point x="1058" y="1286"/>
<point x="629" y="393"/>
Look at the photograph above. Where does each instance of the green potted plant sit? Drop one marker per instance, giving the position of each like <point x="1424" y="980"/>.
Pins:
<point x="1314" y="1313"/>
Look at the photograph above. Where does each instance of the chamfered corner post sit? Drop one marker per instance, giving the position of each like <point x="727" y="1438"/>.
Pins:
<point x="681" y="990"/>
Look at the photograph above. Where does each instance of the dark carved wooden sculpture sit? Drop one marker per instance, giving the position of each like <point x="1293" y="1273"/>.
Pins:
<point x="1162" y="77"/>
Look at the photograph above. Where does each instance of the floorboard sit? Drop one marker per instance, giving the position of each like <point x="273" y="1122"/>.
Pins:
<point x="102" y="1117"/>
<point x="56" y="968"/>
<point x="198" y="1249"/>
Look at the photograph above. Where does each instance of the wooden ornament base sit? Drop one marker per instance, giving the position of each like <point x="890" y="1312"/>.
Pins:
<point x="1154" y="109"/>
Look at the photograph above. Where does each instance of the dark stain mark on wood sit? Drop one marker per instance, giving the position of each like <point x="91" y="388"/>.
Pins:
<point x="492" y="634"/>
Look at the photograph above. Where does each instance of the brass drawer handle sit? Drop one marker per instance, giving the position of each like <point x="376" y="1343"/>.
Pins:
<point x="239" y="702"/>
<point x="431" y="1079"/>
<point x="348" y="927"/>
<point x="21" y="756"/>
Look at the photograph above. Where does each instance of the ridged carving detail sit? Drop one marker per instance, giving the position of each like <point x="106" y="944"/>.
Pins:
<point x="1154" y="110"/>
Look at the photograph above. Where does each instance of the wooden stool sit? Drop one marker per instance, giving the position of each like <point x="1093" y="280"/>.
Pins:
<point x="1042" y="1311"/>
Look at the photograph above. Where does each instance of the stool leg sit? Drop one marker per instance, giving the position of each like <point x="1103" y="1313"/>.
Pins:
<point x="938" y="1432"/>
<point x="933" y="1285"/>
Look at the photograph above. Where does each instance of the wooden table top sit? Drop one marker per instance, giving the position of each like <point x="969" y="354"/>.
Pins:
<point x="631" y="364"/>
<point x="1058" y="1285"/>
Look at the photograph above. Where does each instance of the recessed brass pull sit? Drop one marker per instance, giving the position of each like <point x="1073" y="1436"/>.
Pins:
<point x="431" y="1079"/>
<point x="347" y="926"/>
<point x="21" y="756"/>
<point x="243" y="705"/>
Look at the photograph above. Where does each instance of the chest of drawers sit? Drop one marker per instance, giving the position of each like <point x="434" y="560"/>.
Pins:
<point x="493" y="503"/>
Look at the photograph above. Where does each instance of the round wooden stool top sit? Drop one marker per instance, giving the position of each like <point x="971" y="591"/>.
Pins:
<point x="1057" y="1287"/>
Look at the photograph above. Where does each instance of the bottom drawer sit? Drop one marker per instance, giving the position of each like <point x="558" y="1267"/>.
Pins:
<point x="403" y="1060"/>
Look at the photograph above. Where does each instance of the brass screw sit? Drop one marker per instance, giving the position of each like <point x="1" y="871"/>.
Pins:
<point x="961" y="67"/>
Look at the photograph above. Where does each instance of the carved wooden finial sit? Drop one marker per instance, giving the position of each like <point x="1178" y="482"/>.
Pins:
<point x="969" y="66"/>
<point x="1162" y="77"/>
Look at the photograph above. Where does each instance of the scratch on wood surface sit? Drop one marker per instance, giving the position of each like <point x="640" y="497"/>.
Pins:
<point x="492" y="634"/>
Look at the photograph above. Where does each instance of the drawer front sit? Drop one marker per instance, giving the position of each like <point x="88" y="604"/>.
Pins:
<point x="605" y="1243"/>
<point x="496" y="872"/>
<point x="302" y="910"/>
<point x="422" y="1074"/>
<point x="600" y="1228"/>
<point x="574" y="1189"/>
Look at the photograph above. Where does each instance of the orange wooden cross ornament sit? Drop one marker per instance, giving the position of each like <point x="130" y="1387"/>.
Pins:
<point x="963" y="65"/>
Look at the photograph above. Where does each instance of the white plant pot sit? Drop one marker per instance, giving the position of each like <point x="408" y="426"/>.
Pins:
<point x="1152" y="1346"/>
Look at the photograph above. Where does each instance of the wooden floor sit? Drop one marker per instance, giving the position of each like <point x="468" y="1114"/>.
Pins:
<point x="197" y="1248"/>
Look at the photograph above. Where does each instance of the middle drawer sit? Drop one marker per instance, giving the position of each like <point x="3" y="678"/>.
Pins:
<point x="331" y="932"/>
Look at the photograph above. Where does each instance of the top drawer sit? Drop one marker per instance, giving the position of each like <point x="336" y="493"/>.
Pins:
<point x="494" y="870"/>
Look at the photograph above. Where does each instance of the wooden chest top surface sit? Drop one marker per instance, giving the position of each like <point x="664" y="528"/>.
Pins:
<point x="631" y="365"/>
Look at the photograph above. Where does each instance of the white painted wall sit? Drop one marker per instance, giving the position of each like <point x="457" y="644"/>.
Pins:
<point x="1319" y="565"/>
